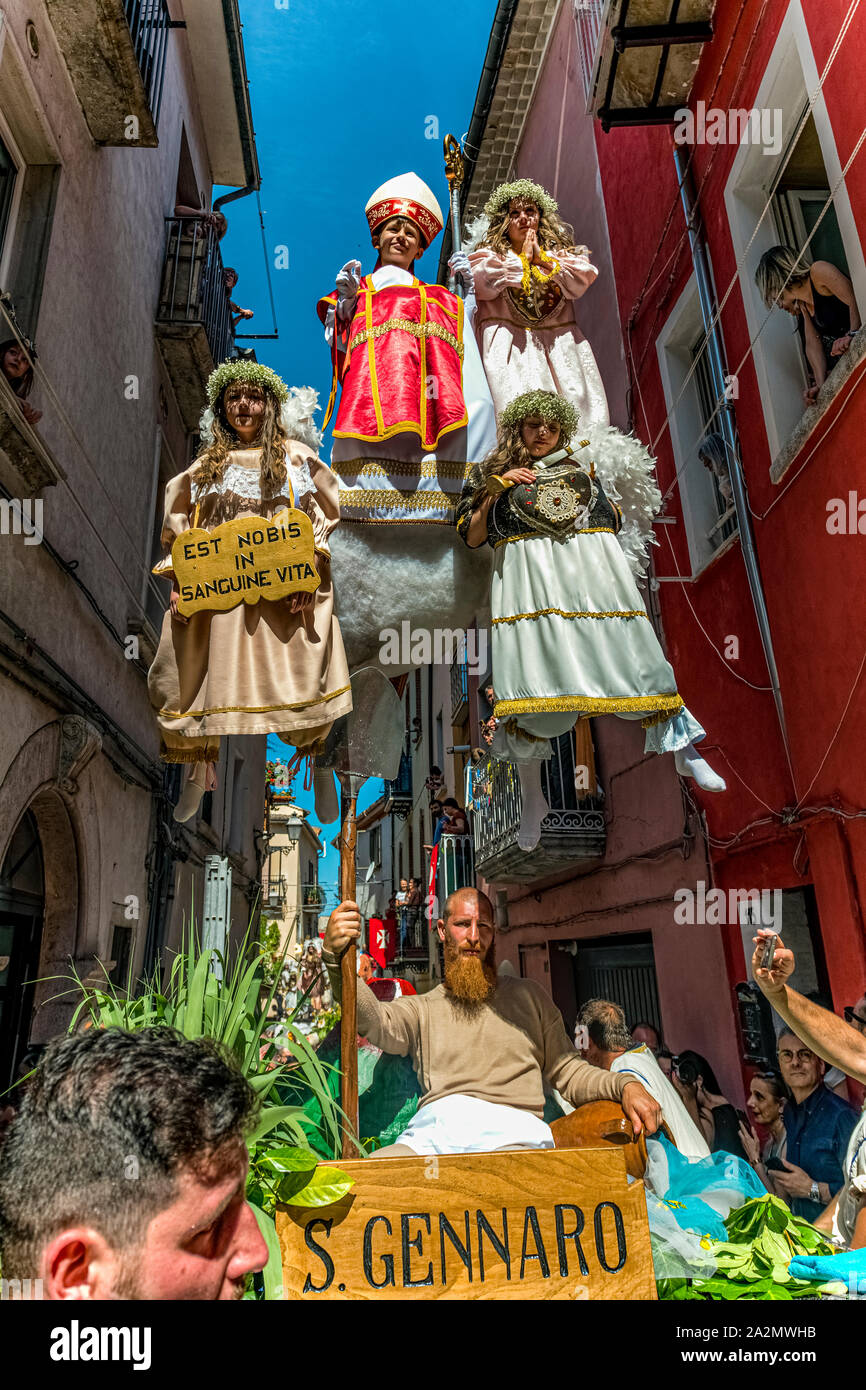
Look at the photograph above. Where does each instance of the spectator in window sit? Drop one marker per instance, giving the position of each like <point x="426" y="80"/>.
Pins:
<point x="454" y="820"/>
<point x="216" y="220"/>
<point x="768" y="1096"/>
<point x="435" y="783"/>
<point x="696" y="1082"/>
<point x="822" y="299"/>
<point x="436" y="816"/>
<point x="818" y="1125"/>
<point x="230" y="279"/>
<point x="17" y="368"/>
<point x="713" y="454"/>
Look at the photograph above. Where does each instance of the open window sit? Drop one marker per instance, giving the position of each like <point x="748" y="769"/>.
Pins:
<point x="776" y="195"/>
<point x="700" y="452"/>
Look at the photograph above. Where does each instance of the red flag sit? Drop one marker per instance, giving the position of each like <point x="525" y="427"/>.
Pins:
<point x="431" y="909"/>
<point x="382" y="937"/>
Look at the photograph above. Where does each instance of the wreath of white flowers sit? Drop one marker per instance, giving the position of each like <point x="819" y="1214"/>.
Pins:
<point x="244" y="370"/>
<point x="520" y="188"/>
<point x="546" y="404"/>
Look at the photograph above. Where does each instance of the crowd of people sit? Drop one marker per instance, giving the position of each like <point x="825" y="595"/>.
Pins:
<point x="800" y="1135"/>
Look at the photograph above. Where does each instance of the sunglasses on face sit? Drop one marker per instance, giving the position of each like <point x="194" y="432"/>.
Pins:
<point x="852" y="1017"/>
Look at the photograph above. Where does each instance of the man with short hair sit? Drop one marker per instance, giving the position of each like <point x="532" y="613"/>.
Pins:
<point x="482" y="1045"/>
<point x="123" y="1176"/>
<point x="818" y="1124"/>
<point x="610" y="1045"/>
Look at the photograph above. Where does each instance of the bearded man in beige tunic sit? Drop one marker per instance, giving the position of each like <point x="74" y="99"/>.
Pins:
<point x="268" y="667"/>
<point x="482" y="1045"/>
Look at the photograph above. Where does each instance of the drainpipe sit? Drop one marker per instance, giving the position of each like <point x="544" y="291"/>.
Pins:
<point x="234" y="36"/>
<point x="719" y="372"/>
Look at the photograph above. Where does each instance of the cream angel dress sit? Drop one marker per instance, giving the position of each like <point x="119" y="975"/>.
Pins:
<point x="535" y="344"/>
<point x="258" y="668"/>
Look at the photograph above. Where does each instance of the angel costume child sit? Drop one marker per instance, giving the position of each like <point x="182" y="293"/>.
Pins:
<point x="528" y="275"/>
<point x="571" y="637"/>
<point x="269" y="667"/>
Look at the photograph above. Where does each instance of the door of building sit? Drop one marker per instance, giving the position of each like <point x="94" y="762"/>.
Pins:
<point x="21" y="914"/>
<point x="622" y="969"/>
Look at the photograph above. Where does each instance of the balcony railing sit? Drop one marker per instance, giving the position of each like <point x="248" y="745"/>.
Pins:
<point x="589" y="17"/>
<point x="115" y="53"/>
<point x="149" y="23"/>
<point x="456" y="864"/>
<point x="413" y="936"/>
<point x="193" y="318"/>
<point x="312" y="897"/>
<point x="574" y="830"/>
<point x="275" y="892"/>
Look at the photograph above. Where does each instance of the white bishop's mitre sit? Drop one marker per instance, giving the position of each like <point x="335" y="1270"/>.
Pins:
<point x="407" y="195"/>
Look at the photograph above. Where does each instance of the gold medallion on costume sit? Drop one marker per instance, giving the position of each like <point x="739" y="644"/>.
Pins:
<point x="244" y="561"/>
<point x="559" y="502"/>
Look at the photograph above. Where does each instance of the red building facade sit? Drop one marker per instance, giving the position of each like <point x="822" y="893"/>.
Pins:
<point x="617" y="134"/>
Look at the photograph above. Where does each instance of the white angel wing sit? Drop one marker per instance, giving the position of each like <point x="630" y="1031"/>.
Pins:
<point x="626" y="470"/>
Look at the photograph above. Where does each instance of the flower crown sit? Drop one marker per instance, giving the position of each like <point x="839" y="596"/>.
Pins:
<point x="244" y="370"/>
<point x="546" y="404"/>
<point x="520" y="188"/>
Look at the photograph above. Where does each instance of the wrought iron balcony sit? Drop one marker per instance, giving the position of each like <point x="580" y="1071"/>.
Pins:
<point x="399" y="791"/>
<point x="572" y="832"/>
<point x="115" y="52"/>
<point x="456" y="864"/>
<point x="636" y="70"/>
<point x="275" y="892"/>
<point x="193" y="318"/>
<point x="413" y="937"/>
<point x="312" y="897"/>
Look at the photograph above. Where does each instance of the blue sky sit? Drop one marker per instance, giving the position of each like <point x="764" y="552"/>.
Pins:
<point x="343" y="97"/>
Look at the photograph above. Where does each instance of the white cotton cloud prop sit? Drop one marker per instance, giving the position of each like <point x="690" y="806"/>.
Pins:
<point x="387" y="575"/>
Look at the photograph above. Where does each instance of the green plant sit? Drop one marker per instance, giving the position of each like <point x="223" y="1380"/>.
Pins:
<point x="273" y="952"/>
<point x="208" y="994"/>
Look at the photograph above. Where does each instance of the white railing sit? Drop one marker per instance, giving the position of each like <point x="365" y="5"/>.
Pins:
<point x="591" y="18"/>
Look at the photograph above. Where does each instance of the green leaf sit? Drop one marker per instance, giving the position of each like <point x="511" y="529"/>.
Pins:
<point x="327" y="1185"/>
<point x="291" y="1160"/>
<point x="272" y="1274"/>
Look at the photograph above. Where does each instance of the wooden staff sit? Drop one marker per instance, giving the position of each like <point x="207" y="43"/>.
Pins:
<point x="348" y="971"/>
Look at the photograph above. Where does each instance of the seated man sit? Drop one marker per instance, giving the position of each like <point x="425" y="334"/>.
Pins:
<point x="482" y="1045"/>
<point x="123" y="1176"/>
<point x="610" y="1045"/>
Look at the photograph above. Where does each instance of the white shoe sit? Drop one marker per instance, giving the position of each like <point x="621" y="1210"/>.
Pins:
<point x="689" y="763"/>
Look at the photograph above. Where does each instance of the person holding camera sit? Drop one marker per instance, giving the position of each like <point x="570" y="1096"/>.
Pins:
<point x="695" y="1080"/>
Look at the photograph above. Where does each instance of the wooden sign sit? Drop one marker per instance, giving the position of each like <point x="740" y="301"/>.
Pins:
<point x="532" y="1224"/>
<point x="244" y="561"/>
